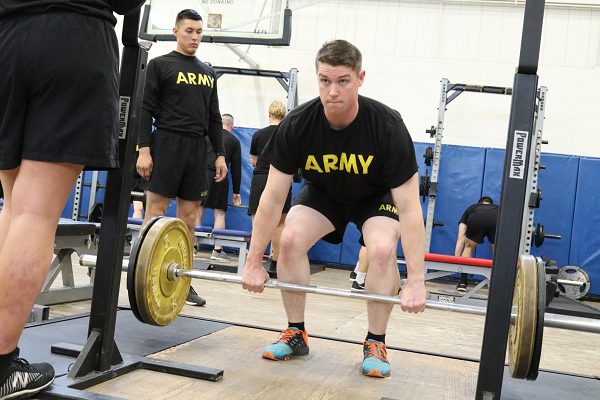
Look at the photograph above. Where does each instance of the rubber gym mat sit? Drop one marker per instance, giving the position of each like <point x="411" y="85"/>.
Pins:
<point x="132" y="336"/>
<point x="566" y="306"/>
<point x="550" y="386"/>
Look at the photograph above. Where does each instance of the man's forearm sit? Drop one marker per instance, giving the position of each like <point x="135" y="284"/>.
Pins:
<point x="266" y="220"/>
<point x="412" y="236"/>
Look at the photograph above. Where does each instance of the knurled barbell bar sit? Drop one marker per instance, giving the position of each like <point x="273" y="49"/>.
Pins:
<point x="160" y="272"/>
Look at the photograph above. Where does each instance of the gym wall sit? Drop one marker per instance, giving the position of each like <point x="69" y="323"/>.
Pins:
<point x="409" y="45"/>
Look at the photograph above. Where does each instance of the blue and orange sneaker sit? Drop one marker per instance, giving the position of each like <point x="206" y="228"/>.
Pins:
<point x="375" y="362"/>
<point x="291" y="342"/>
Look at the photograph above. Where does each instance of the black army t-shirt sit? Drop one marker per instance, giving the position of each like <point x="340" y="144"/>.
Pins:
<point x="259" y="140"/>
<point x="178" y="93"/>
<point x="369" y="157"/>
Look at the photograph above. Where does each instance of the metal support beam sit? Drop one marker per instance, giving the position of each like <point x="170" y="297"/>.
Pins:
<point x="102" y="351"/>
<point x="513" y="201"/>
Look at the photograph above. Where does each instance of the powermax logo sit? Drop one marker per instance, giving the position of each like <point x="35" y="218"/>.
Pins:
<point x="517" y="162"/>
<point x="123" y="115"/>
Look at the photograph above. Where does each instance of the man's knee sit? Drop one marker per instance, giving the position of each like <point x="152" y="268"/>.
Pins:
<point x="381" y="253"/>
<point x="188" y="216"/>
<point x="156" y="207"/>
<point x="290" y="241"/>
<point x="470" y="244"/>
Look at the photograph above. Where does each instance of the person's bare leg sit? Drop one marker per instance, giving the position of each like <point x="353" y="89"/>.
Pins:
<point x="275" y="239"/>
<point x="219" y="223"/>
<point x="187" y="212"/>
<point x="33" y="215"/>
<point x="156" y="205"/>
<point x="8" y="178"/>
<point x="468" y="251"/>
<point x="138" y="209"/>
<point x="363" y="260"/>
<point x="293" y="265"/>
<point x="380" y="235"/>
<point x="200" y="217"/>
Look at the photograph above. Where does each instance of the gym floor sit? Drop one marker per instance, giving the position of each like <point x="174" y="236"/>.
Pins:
<point x="433" y="355"/>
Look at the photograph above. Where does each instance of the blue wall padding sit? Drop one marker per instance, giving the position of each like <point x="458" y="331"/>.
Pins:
<point x="585" y="241"/>
<point x="491" y="187"/>
<point x="459" y="185"/>
<point x="492" y="178"/>
<point x="328" y="253"/>
<point x="558" y="183"/>
<point x="569" y="207"/>
<point x="350" y="245"/>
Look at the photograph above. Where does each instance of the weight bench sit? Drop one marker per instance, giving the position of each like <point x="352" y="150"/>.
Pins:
<point x="445" y="265"/>
<point x="226" y="238"/>
<point x="209" y="236"/>
<point x="71" y="237"/>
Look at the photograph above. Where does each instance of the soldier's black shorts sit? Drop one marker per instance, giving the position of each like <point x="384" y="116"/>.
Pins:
<point x="257" y="186"/>
<point x="339" y="214"/>
<point x="179" y="168"/>
<point x="59" y="90"/>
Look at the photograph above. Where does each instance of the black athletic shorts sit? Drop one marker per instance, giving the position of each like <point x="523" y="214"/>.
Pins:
<point x="59" y="90"/>
<point x="480" y="225"/>
<point x="257" y="186"/>
<point x="217" y="192"/>
<point x="179" y="168"/>
<point x="339" y="214"/>
<point x="139" y="183"/>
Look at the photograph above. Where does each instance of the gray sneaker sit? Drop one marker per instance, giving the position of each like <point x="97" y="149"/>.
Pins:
<point x="219" y="255"/>
<point x="193" y="299"/>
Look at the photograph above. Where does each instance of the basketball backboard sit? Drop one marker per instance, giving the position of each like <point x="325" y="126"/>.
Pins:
<point x="266" y="22"/>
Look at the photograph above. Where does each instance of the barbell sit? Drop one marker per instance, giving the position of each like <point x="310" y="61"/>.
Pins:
<point x="159" y="273"/>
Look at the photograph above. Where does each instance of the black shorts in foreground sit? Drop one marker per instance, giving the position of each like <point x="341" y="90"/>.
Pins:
<point x="59" y="90"/>
<point x="257" y="186"/>
<point x="480" y="225"/>
<point x="179" y="166"/>
<point x="218" y="192"/>
<point x="339" y="214"/>
<point x="139" y="184"/>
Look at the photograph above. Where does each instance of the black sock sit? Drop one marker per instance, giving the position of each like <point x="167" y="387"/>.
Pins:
<point x="5" y="361"/>
<point x="379" y="338"/>
<point x="218" y="251"/>
<point x="299" y="325"/>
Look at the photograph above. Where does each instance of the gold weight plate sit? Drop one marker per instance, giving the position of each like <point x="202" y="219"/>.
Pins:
<point x="159" y="299"/>
<point x="522" y="331"/>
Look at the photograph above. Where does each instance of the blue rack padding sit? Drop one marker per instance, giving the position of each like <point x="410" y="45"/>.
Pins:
<point x="558" y="183"/>
<point x="585" y="241"/>
<point x="459" y="185"/>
